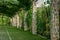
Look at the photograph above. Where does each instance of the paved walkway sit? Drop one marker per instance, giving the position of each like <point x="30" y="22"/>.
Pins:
<point x="12" y="33"/>
<point x="3" y="33"/>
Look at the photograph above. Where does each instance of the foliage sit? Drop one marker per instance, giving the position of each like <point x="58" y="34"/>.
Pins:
<point x="29" y="18"/>
<point x="4" y="20"/>
<point x="43" y="18"/>
<point x="47" y="1"/>
<point x="26" y="4"/>
<point x="10" y="7"/>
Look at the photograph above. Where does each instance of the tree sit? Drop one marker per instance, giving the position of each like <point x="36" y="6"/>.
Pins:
<point x="17" y="20"/>
<point x="34" y="26"/>
<point x="54" y="26"/>
<point x="10" y="7"/>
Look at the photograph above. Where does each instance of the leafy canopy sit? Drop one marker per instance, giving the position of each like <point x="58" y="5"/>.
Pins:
<point x="10" y="7"/>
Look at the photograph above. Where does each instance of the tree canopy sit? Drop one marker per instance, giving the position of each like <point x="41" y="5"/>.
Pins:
<point x="10" y="7"/>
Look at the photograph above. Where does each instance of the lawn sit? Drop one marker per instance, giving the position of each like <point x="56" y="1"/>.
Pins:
<point x="12" y="33"/>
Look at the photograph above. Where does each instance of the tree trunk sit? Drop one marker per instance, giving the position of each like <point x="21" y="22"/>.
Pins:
<point x="54" y="26"/>
<point x="59" y="24"/>
<point x="34" y="26"/>
<point x="59" y="19"/>
<point x="15" y="20"/>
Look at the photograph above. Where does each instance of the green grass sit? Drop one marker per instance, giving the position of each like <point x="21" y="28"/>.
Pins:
<point x="17" y="34"/>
